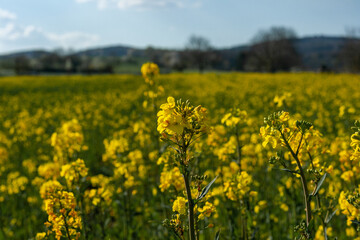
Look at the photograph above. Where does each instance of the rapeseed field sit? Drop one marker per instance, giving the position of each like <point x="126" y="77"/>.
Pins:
<point x="180" y="156"/>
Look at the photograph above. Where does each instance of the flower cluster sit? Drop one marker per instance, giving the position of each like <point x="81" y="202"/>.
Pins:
<point x="64" y="219"/>
<point x="275" y="125"/>
<point x="115" y="148"/>
<point x="154" y="93"/>
<point x="171" y="177"/>
<point x="234" y="118"/>
<point x="206" y="210"/>
<point x="350" y="205"/>
<point x="101" y="191"/>
<point x="281" y="101"/>
<point x="129" y="167"/>
<point x="226" y="151"/>
<point x="73" y="172"/>
<point x="349" y="201"/>
<point x="238" y="186"/>
<point x="49" y="170"/>
<point x="181" y="121"/>
<point x="50" y="187"/>
<point x="299" y="137"/>
<point x="355" y="143"/>
<point x="40" y="236"/>
<point x="179" y="205"/>
<point x="15" y="183"/>
<point x="4" y="156"/>
<point x="149" y="70"/>
<point x="67" y="141"/>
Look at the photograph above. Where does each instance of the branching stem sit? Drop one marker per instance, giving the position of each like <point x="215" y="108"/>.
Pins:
<point x="302" y="177"/>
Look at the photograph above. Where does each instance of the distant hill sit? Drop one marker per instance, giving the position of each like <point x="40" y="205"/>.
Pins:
<point x="316" y="52"/>
<point x="28" y="54"/>
<point x="114" y="51"/>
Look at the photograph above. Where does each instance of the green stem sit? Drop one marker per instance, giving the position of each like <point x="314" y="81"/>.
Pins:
<point x="318" y="202"/>
<point x="244" y="219"/>
<point x="186" y="175"/>
<point x="229" y="211"/>
<point x="325" y="225"/>
<point x="303" y="180"/>
<point x="65" y="222"/>
<point x="191" y="205"/>
<point x="80" y="199"/>
<point x="238" y="148"/>
<point x="126" y="218"/>
<point x="156" y="135"/>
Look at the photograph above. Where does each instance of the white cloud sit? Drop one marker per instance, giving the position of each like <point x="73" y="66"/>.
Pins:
<point x="7" y="30"/>
<point x="142" y="4"/>
<point x="5" y="14"/>
<point x="145" y="4"/>
<point x="11" y="31"/>
<point x="28" y="30"/>
<point x="72" y="39"/>
<point x="16" y="36"/>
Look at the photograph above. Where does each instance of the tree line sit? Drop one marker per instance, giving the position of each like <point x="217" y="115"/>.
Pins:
<point x="270" y="50"/>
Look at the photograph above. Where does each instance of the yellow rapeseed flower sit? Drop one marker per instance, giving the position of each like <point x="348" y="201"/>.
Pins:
<point x="179" y="205"/>
<point x="149" y="70"/>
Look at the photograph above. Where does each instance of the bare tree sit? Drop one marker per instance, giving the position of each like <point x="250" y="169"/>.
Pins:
<point x="199" y="52"/>
<point x="350" y="53"/>
<point x="273" y="50"/>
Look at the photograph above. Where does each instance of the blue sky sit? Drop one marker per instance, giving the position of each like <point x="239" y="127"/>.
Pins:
<point x="79" y="24"/>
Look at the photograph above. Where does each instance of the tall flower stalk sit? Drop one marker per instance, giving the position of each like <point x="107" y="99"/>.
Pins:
<point x="150" y="71"/>
<point x="299" y="138"/>
<point x="181" y="124"/>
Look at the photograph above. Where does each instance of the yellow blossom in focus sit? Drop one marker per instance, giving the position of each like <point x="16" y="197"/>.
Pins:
<point x="179" y="205"/>
<point x="62" y="214"/>
<point x="175" y="118"/>
<point x="171" y="177"/>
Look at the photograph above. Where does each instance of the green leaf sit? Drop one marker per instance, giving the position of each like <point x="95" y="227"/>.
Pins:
<point x="321" y="181"/>
<point x="206" y="189"/>
<point x="328" y="219"/>
<point x="217" y="235"/>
